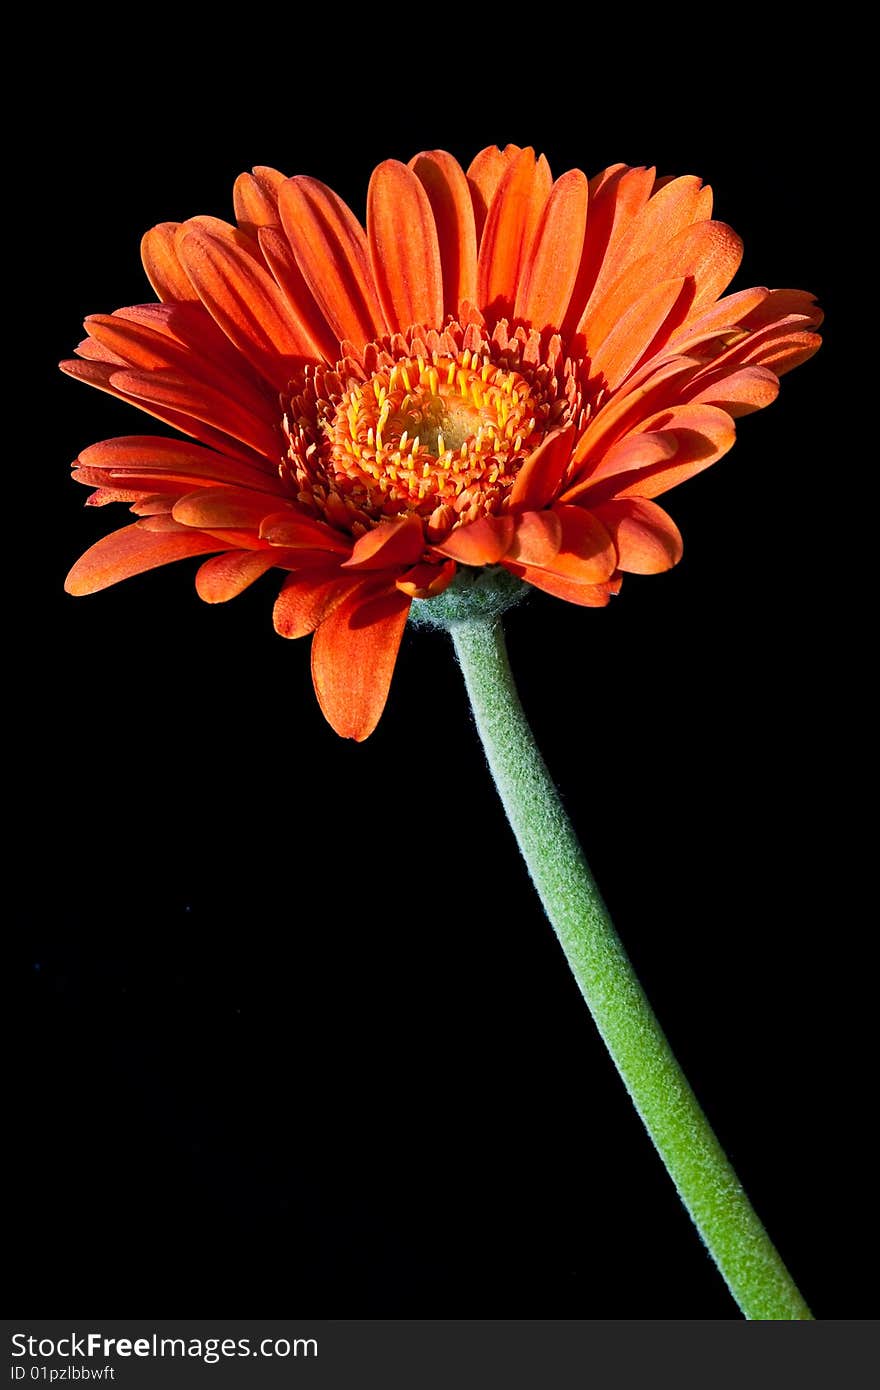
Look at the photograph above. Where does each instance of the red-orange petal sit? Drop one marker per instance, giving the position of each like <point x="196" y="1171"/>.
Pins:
<point x="162" y="263"/>
<point x="155" y="457"/>
<point x="618" y="345"/>
<point x="703" y="434"/>
<point x="307" y="598"/>
<point x="191" y="326"/>
<point x="171" y="396"/>
<point x="638" y="397"/>
<point x="615" y="199"/>
<point x="781" y="349"/>
<point x="331" y="250"/>
<point x="190" y="404"/>
<point x="353" y="656"/>
<point x="131" y="551"/>
<point x="226" y="576"/>
<point x="641" y="450"/>
<point x="647" y="540"/>
<point x="483" y="542"/>
<point x="404" y="250"/>
<point x="255" y="199"/>
<point x="147" y="348"/>
<point x="537" y="538"/>
<point x="710" y="252"/>
<point x="550" y="271"/>
<point x="301" y="305"/>
<point x="391" y="543"/>
<point x="444" y="181"/>
<point x="484" y="175"/>
<point x="539" y="479"/>
<point x="516" y="209"/>
<point x="136" y="345"/>
<point x="223" y="507"/>
<point x="737" y="393"/>
<point x="295" y="530"/>
<point x="245" y="301"/>
<point x="427" y="581"/>
<point x="781" y="304"/>
<point x="563" y="586"/>
<point x="678" y="204"/>
<point x="717" y="319"/>
<point x="586" y="551"/>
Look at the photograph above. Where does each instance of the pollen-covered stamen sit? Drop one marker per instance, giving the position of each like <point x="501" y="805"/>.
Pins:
<point x="424" y="433"/>
<point x="425" y="425"/>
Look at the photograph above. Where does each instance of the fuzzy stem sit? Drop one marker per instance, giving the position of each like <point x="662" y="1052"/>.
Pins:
<point x="703" y="1176"/>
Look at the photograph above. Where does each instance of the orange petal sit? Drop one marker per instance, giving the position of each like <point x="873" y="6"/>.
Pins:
<point x="586" y="552"/>
<point x="617" y="345"/>
<point x="537" y="538"/>
<point x="516" y="209"/>
<point x="245" y="301"/>
<point x="300" y="302"/>
<point x="563" y="586"/>
<point x="94" y="351"/>
<point x="404" y="249"/>
<point x="153" y="456"/>
<point x="296" y="530"/>
<point x="228" y="575"/>
<point x="309" y="597"/>
<point x="132" y="551"/>
<point x="647" y="540"/>
<point x="224" y="507"/>
<point x="640" y="450"/>
<point x="710" y="252"/>
<point x="105" y="495"/>
<point x="550" y="271"/>
<point x="134" y="344"/>
<point x="391" y="543"/>
<point x="163" y="522"/>
<point x="703" y="434"/>
<point x="142" y="346"/>
<point x="332" y="252"/>
<point x="154" y="504"/>
<point x="615" y="199"/>
<point x="540" y="477"/>
<point x="162" y="264"/>
<point x="444" y="181"/>
<point x="167" y="394"/>
<point x="737" y="393"/>
<point x="184" y="416"/>
<point x="678" y="204"/>
<point x="217" y="227"/>
<point x="191" y="326"/>
<point x="637" y="398"/>
<point x="727" y="313"/>
<point x="427" y="581"/>
<point x="782" y="349"/>
<point x="780" y="304"/>
<point x="483" y="176"/>
<point x="353" y="655"/>
<point x="255" y="199"/>
<point x="483" y="542"/>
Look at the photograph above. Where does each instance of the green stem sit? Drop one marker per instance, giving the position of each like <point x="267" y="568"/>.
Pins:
<point x="706" y="1182"/>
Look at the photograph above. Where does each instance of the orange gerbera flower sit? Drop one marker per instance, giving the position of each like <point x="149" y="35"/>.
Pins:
<point x="500" y="370"/>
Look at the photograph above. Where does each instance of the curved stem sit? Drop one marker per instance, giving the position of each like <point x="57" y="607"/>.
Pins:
<point x="706" y="1182"/>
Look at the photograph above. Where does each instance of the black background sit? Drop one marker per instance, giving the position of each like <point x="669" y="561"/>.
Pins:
<point x="294" y="1036"/>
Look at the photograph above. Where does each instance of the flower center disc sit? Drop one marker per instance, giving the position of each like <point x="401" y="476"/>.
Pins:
<point x="441" y="433"/>
<point x="424" y="433"/>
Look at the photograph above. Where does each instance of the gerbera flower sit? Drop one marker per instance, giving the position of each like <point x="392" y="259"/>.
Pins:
<point x="500" y="370"/>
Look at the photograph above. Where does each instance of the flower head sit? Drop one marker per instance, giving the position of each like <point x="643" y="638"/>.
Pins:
<point x="499" y="370"/>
